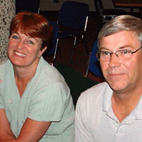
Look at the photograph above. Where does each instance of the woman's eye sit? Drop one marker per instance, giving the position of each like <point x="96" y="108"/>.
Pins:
<point x="30" y="42"/>
<point x="15" y="37"/>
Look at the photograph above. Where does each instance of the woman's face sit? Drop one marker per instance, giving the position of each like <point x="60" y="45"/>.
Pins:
<point x="24" y="50"/>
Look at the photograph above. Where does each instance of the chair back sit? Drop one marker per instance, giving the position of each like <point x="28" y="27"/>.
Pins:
<point x="73" y="14"/>
<point x="99" y="6"/>
<point x="51" y="49"/>
<point x="94" y="65"/>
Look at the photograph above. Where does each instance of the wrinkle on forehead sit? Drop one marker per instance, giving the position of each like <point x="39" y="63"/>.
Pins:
<point x="120" y="40"/>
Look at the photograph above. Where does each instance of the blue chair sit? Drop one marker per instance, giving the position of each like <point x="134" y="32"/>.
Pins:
<point x="72" y="20"/>
<point x="94" y="65"/>
<point x="107" y="14"/>
<point x="52" y="48"/>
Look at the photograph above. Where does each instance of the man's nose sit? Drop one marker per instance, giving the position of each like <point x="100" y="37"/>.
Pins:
<point x="114" y="60"/>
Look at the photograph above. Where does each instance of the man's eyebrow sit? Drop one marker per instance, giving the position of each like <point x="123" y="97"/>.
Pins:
<point x="125" y="46"/>
<point x="101" y="48"/>
<point x="121" y="47"/>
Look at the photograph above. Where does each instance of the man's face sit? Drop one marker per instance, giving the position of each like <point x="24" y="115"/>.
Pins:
<point x="122" y="75"/>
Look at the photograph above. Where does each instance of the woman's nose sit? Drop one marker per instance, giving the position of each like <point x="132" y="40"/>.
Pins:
<point x="20" y="44"/>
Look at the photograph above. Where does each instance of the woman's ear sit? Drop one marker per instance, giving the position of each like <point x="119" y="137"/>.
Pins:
<point x="42" y="51"/>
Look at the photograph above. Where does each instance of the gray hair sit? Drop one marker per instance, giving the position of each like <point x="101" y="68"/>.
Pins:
<point x="122" y="23"/>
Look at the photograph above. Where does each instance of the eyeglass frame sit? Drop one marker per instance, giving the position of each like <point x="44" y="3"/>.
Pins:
<point x="110" y="53"/>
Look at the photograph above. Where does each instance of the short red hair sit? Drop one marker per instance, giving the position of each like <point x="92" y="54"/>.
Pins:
<point x="33" y="25"/>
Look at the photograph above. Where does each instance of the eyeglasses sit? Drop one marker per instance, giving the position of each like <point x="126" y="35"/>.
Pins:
<point x="125" y="54"/>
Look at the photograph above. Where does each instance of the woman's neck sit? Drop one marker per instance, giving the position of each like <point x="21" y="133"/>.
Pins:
<point x="23" y="75"/>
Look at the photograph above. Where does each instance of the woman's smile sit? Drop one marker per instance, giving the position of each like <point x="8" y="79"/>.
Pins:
<point x="19" y="54"/>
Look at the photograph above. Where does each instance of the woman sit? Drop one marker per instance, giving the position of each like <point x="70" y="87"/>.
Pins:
<point x="35" y="101"/>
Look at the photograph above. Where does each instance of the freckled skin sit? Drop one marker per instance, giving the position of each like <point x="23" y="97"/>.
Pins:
<point x="23" y="50"/>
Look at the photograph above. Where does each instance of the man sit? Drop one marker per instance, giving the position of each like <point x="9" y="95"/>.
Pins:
<point x="112" y="111"/>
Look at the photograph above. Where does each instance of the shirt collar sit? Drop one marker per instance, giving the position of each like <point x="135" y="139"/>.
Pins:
<point x="137" y="112"/>
<point x="107" y="98"/>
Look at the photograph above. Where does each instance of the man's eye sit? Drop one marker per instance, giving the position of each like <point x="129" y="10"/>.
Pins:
<point x="125" y="51"/>
<point x="105" y="53"/>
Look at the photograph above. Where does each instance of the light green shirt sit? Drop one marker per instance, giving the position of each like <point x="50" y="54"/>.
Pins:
<point x="46" y="98"/>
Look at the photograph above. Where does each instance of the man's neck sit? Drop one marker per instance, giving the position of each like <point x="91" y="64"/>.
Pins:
<point x="124" y="104"/>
